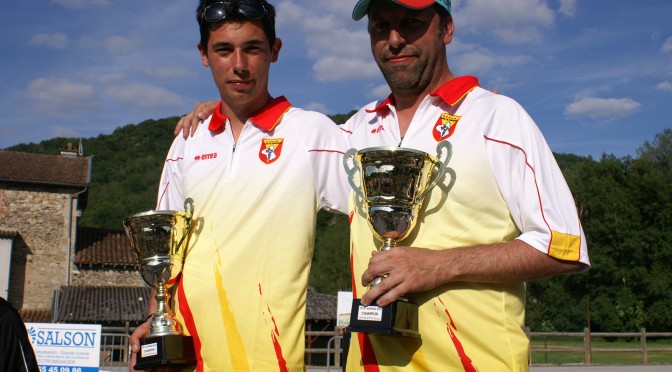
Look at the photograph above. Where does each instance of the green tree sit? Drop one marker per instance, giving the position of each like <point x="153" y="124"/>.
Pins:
<point x="330" y="271"/>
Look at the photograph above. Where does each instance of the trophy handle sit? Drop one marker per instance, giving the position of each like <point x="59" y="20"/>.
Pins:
<point x="189" y="206"/>
<point x="443" y="145"/>
<point x="350" y="171"/>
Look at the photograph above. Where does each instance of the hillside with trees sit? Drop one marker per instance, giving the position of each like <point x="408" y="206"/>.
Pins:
<point x="625" y="206"/>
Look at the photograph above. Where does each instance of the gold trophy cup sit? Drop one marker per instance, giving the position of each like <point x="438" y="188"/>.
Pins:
<point x="394" y="182"/>
<point x="159" y="239"/>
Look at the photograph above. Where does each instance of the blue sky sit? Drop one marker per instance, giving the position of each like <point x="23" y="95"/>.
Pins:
<point x="596" y="75"/>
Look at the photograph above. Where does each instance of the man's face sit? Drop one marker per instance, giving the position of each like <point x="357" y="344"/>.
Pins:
<point x="239" y="57"/>
<point x="408" y="45"/>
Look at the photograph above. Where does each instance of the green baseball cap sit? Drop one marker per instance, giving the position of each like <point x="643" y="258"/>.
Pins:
<point x="362" y="6"/>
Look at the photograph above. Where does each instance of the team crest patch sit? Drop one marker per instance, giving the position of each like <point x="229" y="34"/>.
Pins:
<point x="445" y="126"/>
<point x="271" y="149"/>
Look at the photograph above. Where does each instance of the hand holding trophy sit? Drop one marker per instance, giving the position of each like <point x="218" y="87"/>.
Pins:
<point x="394" y="182"/>
<point x="159" y="240"/>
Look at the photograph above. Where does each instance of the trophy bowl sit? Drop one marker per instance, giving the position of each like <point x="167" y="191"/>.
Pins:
<point x="393" y="184"/>
<point x="159" y="239"/>
<point x="394" y="181"/>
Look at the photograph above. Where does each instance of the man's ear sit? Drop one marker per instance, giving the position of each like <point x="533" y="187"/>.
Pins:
<point x="275" y="50"/>
<point x="204" y="55"/>
<point x="448" y="31"/>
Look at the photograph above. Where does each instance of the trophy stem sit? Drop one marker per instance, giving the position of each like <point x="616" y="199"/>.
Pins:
<point x="388" y="243"/>
<point x="162" y="321"/>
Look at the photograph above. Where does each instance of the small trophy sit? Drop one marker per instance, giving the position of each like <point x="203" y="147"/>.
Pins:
<point x="394" y="182"/>
<point x="159" y="240"/>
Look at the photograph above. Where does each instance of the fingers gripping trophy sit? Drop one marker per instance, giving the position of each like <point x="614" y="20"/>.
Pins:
<point x="159" y="239"/>
<point x="394" y="181"/>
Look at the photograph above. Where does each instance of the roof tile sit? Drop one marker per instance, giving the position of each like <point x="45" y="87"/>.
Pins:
<point x="40" y="168"/>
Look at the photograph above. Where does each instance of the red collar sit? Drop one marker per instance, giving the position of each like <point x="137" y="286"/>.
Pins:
<point x="451" y="92"/>
<point x="266" y="118"/>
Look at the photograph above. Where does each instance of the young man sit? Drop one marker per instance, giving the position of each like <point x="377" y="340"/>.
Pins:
<point x="502" y="216"/>
<point x="258" y="171"/>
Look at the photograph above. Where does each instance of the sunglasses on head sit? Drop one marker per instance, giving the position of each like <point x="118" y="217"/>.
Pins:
<point x="219" y="11"/>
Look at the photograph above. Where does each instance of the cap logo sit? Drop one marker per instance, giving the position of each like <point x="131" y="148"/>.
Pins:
<point x="271" y="149"/>
<point x="445" y="126"/>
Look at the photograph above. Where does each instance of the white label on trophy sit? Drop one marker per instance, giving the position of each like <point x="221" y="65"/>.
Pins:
<point x="149" y="350"/>
<point x="370" y="313"/>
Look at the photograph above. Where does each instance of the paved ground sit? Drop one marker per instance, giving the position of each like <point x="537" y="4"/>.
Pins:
<point x="636" y="368"/>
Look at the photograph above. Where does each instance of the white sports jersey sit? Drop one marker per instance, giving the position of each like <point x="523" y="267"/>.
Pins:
<point x="502" y="184"/>
<point x="242" y="293"/>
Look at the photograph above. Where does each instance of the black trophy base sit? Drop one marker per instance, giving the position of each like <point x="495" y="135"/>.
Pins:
<point x="400" y="318"/>
<point x="165" y="350"/>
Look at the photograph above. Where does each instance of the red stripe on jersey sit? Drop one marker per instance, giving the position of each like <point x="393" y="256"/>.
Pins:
<point x="368" y="355"/>
<point x="189" y="323"/>
<point x="328" y="151"/>
<point x="536" y="185"/>
<point x="165" y="190"/>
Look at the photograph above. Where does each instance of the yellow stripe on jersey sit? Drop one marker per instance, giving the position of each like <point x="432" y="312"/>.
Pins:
<point x="564" y="246"/>
<point x="233" y="339"/>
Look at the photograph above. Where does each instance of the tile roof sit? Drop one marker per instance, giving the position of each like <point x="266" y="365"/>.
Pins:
<point x="104" y="247"/>
<point x="7" y="234"/>
<point x="320" y="306"/>
<point x="121" y="304"/>
<point x="103" y="304"/>
<point x="35" y="316"/>
<point x="45" y="169"/>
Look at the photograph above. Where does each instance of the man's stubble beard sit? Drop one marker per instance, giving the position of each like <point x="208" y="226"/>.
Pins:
<point x="409" y="79"/>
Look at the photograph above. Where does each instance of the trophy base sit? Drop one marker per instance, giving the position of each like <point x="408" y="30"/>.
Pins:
<point x="156" y="351"/>
<point x="400" y="318"/>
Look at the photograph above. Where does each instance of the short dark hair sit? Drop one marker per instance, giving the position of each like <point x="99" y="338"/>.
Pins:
<point x="267" y="21"/>
<point x="444" y="16"/>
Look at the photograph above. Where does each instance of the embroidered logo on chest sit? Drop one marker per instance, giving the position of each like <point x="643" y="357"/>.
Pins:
<point x="210" y="156"/>
<point x="377" y="130"/>
<point x="445" y="126"/>
<point x="271" y="149"/>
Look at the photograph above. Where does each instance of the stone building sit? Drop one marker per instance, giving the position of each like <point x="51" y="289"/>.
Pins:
<point x="41" y="197"/>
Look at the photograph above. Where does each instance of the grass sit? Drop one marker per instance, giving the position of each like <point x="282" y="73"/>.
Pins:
<point x="569" y="350"/>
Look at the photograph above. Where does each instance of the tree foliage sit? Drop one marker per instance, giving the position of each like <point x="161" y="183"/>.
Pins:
<point x="625" y="205"/>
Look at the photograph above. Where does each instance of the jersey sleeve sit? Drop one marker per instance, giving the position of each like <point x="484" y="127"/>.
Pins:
<point x="326" y="153"/>
<point x="170" y="196"/>
<point x="532" y="184"/>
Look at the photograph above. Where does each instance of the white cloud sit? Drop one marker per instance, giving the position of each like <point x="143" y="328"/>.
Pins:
<point x="319" y="107"/>
<point x="174" y="72"/>
<point x="80" y="4"/>
<point x="665" y="86"/>
<point x="108" y="78"/>
<point x="511" y="21"/>
<point x="379" y="92"/>
<point x="568" y="7"/>
<point x="602" y="108"/>
<point x="338" y="54"/>
<point x="62" y="97"/>
<point x="475" y="60"/>
<point x="143" y="96"/>
<point x="332" y="68"/>
<point x="53" y="41"/>
<point x="64" y="131"/>
<point x="120" y="45"/>
<point x="667" y="46"/>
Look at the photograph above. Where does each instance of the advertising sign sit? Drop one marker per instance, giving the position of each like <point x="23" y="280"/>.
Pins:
<point x="66" y="347"/>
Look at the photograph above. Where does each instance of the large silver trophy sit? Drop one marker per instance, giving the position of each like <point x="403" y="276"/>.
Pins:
<point x="159" y="239"/>
<point x="394" y="181"/>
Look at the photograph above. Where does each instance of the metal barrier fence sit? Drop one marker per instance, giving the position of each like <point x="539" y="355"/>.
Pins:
<point x="114" y="349"/>
<point x="327" y="353"/>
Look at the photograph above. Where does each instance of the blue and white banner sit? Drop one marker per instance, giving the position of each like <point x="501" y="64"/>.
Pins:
<point x="66" y="347"/>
